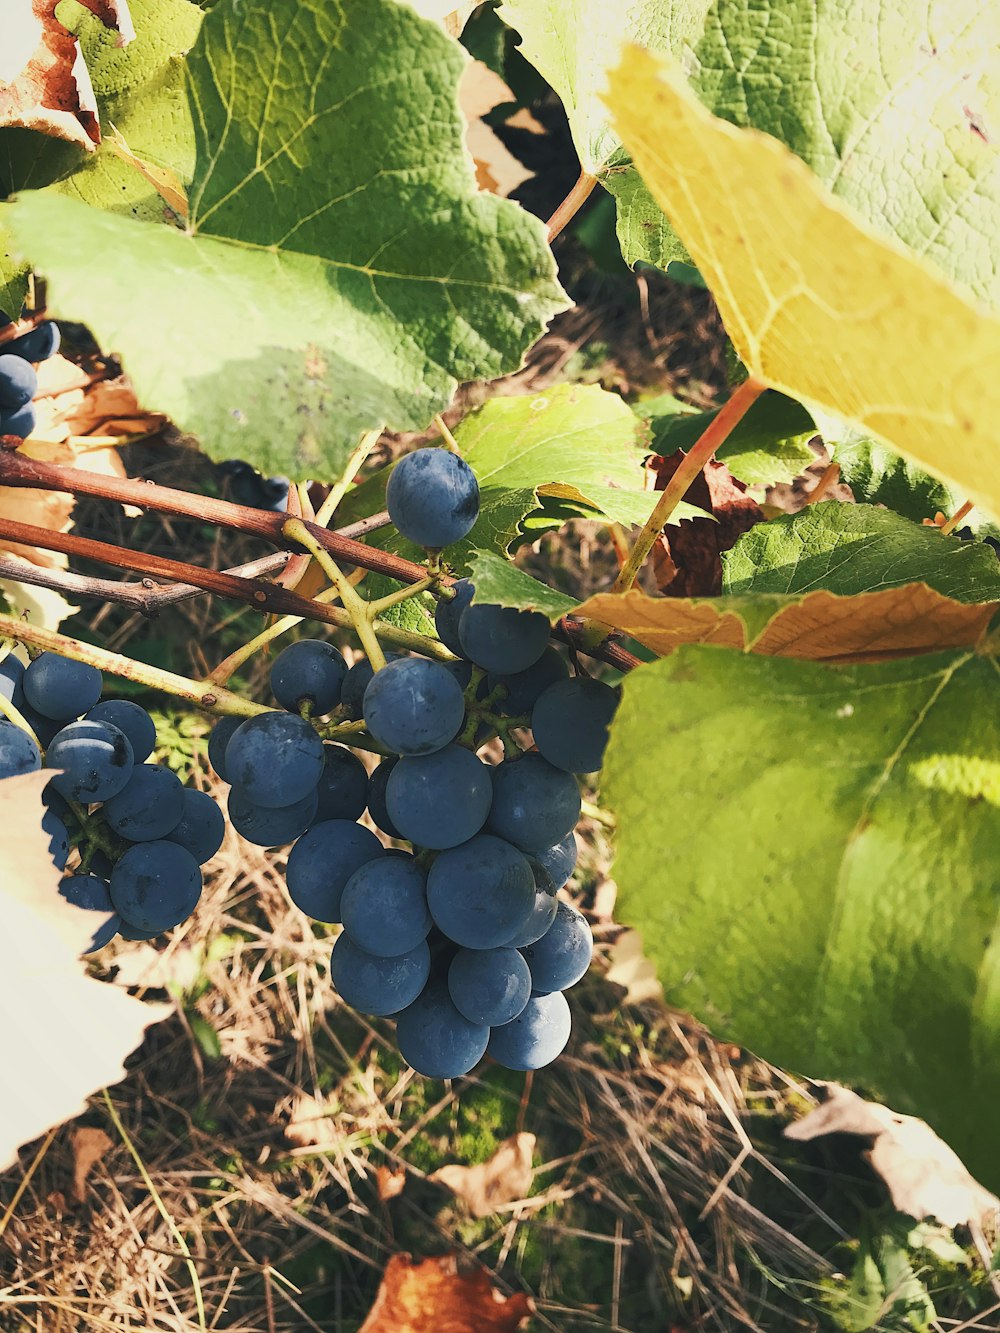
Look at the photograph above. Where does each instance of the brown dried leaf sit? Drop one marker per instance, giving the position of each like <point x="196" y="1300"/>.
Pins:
<point x="88" y="1146"/>
<point x="389" y="1184"/>
<point x="818" y="626"/>
<point x="503" y="1178"/>
<point x="309" y="1123"/>
<point x="71" y="403"/>
<point x="630" y="968"/>
<point x="44" y="82"/>
<point x="687" y="559"/>
<point x="72" y="1033"/>
<point x="479" y="92"/>
<point x="431" y="1296"/>
<point x="925" y="1177"/>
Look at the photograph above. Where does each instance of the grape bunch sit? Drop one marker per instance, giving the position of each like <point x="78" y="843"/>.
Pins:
<point x="18" y="381"/>
<point x="137" y="836"/>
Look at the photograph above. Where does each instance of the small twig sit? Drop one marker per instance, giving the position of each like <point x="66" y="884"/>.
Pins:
<point x="717" y="431"/>
<point x="360" y="611"/>
<point x="571" y="205"/>
<point x="352" y="467"/>
<point x="948" y="528"/>
<point x="36" y="1162"/>
<point x="829" y="478"/>
<point x="446" y="434"/>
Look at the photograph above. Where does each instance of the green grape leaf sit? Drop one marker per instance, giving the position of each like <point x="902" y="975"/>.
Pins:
<point x="769" y="445"/>
<point x="571" y="43"/>
<point x="338" y="270"/>
<point x="500" y="583"/>
<point x="847" y="549"/>
<point x="826" y="893"/>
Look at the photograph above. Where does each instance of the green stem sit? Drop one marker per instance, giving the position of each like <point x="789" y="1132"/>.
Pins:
<point x="354" y="604"/>
<point x="352" y="467"/>
<point x="446" y="434"/>
<point x="380" y="604"/>
<point x="13" y="715"/>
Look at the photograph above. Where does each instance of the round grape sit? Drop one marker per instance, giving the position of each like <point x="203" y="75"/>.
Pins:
<point x="91" y="894"/>
<point x="384" y="906"/>
<point x="489" y="986"/>
<point x="352" y="696"/>
<point x="439" y="800"/>
<point x="59" y="688"/>
<point x="19" y="421"/>
<point x="38" y="344"/>
<point x="378" y="986"/>
<point x="45" y="728"/>
<point x="536" y="1037"/>
<point x="343" y="786"/>
<point x="502" y="639"/>
<point x="18" y="382"/>
<point x="543" y="913"/>
<point x="270" y="826"/>
<point x="414" y="706"/>
<point x="570" y="723"/>
<point x="377" y="784"/>
<point x="481" y="893"/>
<point x="96" y="759"/>
<point x="321" y="863"/>
<point x="218" y="742"/>
<point x="155" y="885"/>
<point x="134" y="721"/>
<point x="149" y="806"/>
<point x="560" y="958"/>
<point x="202" y="826"/>
<point x="559" y="861"/>
<point x="11" y="676"/>
<point x="18" y="752"/>
<point x="433" y="497"/>
<point x="534" y="804"/>
<point x="435" y="1039"/>
<point x="448" y="612"/>
<point x="275" y="759"/>
<point x="524" y="687"/>
<point x="311" y="671"/>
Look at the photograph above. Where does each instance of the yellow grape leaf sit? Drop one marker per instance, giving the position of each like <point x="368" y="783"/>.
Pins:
<point x="816" y="304"/>
<point x="816" y="626"/>
<point x="72" y="1033"/>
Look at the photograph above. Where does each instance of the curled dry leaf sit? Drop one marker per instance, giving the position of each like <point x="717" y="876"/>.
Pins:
<point x="44" y="81"/>
<point x="503" y="1178"/>
<point x="389" y="1183"/>
<point x="432" y="1296"/>
<point x="924" y="1176"/>
<point x="480" y="91"/>
<point x="687" y="558"/>
<point x="629" y="967"/>
<point x="73" y="1033"/>
<point x="88" y="1146"/>
<point x="309" y="1123"/>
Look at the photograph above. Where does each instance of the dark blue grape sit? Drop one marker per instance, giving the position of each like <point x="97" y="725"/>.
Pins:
<point x="18" y="752"/>
<point x="129" y="932"/>
<point x="433" y="498"/>
<point x="134" y="721"/>
<point x="352" y="696"/>
<point x="536" y="1037"/>
<point x="543" y="912"/>
<point x="19" y="421"/>
<point x="11" y="676"/>
<point x="559" y="861"/>
<point x="18" y="382"/>
<point x="96" y="759"/>
<point x="149" y="806"/>
<point x="448" y="612"/>
<point x="248" y="487"/>
<point x="45" y="728"/>
<point x="502" y="639"/>
<point x="534" y="804"/>
<point x="489" y="986"/>
<point x="384" y="906"/>
<point x="275" y="759"/>
<point x="321" y="863"/>
<point x="462" y="671"/>
<point x="59" y="688"/>
<point x="378" y="986"/>
<point x="481" y="893"/>
<point x="90" y="893"/>
<point x="38" y="344"/>
<point x="377" y="784"/>
<point x="155" y="885"/>
<point x="435" y="1039"/>
<point x="58" y="835"/>
<point x="270" y="826"/>
<point x="218" y="742"/>
<point x="570" y="723"/>
<point x="311" y="671"/>
<point x="343" y="786"/>
<point x="414" y="706"/>
<point x="524" y="687"/>
<point x="439" y="800"/>
<point x="560" y="958"/>
<point x="202" y="826"/>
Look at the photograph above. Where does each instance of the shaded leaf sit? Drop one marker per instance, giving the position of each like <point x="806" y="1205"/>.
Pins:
<point x="432" y="1296"/>
<point x="500" y="582"/>
<point x="316" y="315"/>
<point x="503" y="1178"/>
<point x="830" y="899"/>
<point x="795" y="275"/>
<point x="924" y="1176"/>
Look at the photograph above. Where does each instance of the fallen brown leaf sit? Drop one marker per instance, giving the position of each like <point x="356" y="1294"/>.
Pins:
<point x="389" y="1184"/>
<point x="431" y="1296"/>
<point x="73" y="1033"/>
<point x="480" y="91"/>
<point x="502" y="1178"/>
<point x="88" y="1147"/>
<point x="687" y="558"/>
<point x="309" y="1123"/>
<point x="44" y="81"/>
<point x="817" y="626"/>
<point x="924" y="1176"/>
<point x="629" y="967"/>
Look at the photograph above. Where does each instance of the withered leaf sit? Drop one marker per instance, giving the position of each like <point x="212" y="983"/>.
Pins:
<point x="687" y="558"/>
<point x="502" y="1178"/>
<point x="432" y="1296"/>
<point x="88" y="1147"/>
<point x="479" y="92"/>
